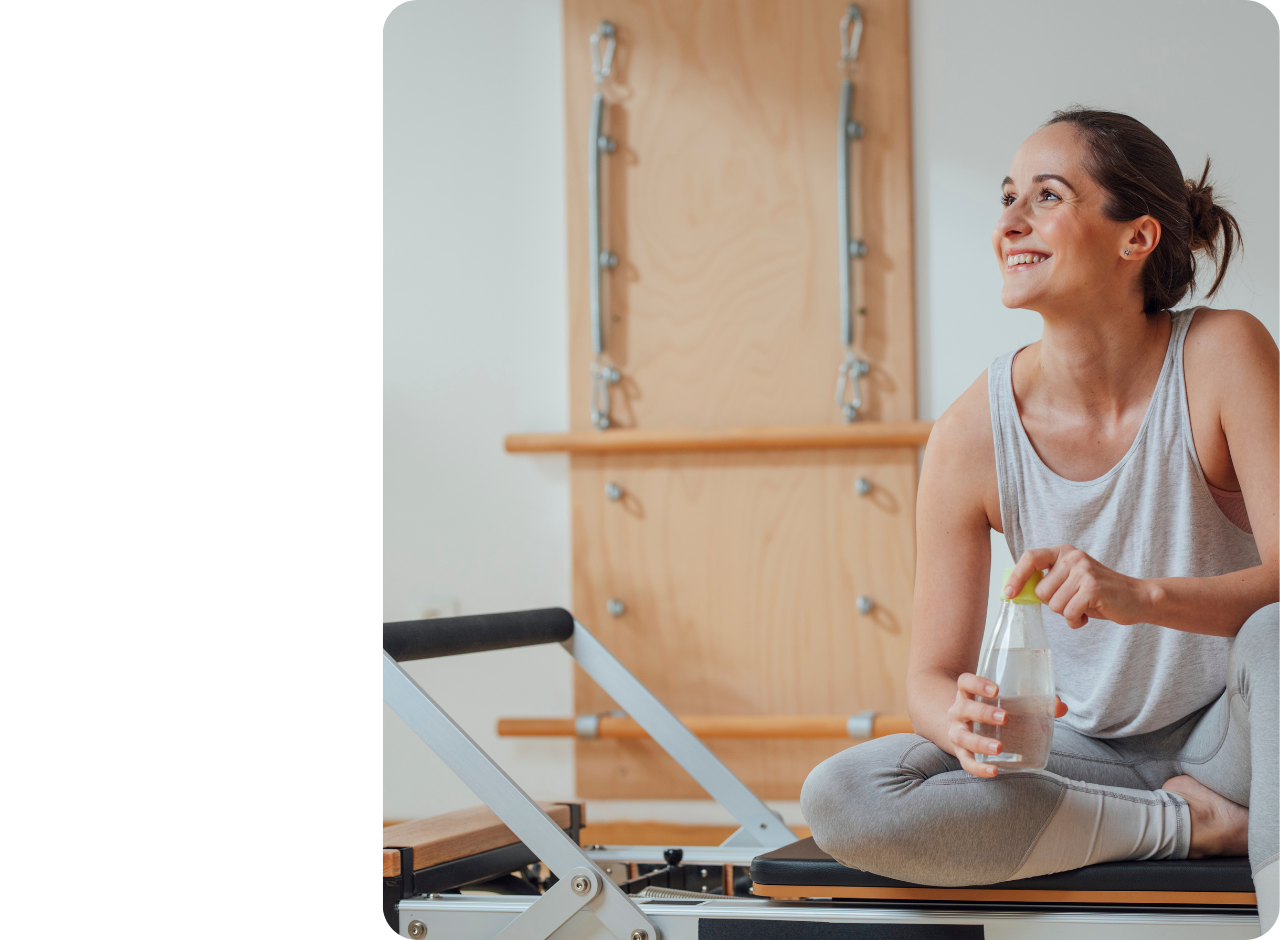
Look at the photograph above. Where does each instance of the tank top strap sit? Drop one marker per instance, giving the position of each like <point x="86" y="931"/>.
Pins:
<point x="1004" y="429"/>
<point x="1177" y="417"/>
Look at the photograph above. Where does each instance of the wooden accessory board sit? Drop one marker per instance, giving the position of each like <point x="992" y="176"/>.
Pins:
<point x="740" y="569"/>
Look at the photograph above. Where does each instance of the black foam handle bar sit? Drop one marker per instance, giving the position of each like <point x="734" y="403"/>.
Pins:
<point x="448" y="636"/>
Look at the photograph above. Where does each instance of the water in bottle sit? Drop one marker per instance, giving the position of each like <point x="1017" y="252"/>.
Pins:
<point x="1015" y="656"/>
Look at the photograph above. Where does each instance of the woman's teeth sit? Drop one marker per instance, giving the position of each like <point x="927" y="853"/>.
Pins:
<point x="1024" y="259"/>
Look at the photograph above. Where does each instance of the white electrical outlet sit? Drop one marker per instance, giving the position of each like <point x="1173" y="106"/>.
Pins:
<point x="433" y="607"/>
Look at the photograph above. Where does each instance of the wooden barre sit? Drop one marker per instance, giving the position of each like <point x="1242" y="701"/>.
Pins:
<point x="710" y="726"/>
<point x="674" y="440"/>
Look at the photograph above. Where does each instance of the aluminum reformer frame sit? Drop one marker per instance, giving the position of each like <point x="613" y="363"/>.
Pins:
<point x="586" y="904"/>
<point x="581" y="883"/>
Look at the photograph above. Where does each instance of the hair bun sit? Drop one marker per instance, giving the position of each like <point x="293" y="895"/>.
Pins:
<point x="1206" y="215"/>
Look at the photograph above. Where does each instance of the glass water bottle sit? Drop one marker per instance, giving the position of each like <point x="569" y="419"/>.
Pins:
<point x="1015" y="656"/>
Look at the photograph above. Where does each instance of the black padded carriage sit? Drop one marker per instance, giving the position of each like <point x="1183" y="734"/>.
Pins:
<point x="802" y="870"/>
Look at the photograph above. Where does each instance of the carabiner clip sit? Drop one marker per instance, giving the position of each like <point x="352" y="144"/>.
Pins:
<point x="600" y="68"/>
<point x="847" y="376"/>
<point x="601" y="378"/>
<point x="849" y="45"/>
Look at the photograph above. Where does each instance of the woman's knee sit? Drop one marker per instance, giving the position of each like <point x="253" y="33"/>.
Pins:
<point x="849" y="799"/>
<point x="1257" y="646"/>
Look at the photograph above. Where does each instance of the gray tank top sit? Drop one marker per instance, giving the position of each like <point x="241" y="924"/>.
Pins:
<point x="1149" y="516"/>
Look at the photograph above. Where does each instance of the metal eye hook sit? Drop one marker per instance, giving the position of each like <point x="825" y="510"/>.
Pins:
<point x="850" y="371"/>
<point x="600" y="68"/>
<point x="849" y="46"/>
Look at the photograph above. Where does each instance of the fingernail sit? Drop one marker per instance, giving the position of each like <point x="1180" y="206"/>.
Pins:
<point x="1008" y="591"/>
<point x="998" y="715"/>
<point x="993" y="747"/>
<point x="990" y="690"/>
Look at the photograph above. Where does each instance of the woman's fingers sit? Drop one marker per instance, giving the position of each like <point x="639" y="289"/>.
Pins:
<point x="964" y="711"/>
<point x="1059" y="707"/>
<point x="967" y="710"/>
<point x="972" y="766"/>
<point x="1074" y="610"/>
<point x="1033" y="559"/>
<point x="1059" y="570"/>
<point x="976" y="685"/>
<point x="974" y="743"/>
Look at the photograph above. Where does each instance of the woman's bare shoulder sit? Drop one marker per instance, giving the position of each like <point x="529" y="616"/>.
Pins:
<point x="964" y="429"/>
<point x="1227" y="351"/>
<point x="959" y="461"/>
<point x="1232" y="331"/>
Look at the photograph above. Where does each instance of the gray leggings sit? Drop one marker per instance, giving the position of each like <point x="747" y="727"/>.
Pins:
<point x="900" y="806"/>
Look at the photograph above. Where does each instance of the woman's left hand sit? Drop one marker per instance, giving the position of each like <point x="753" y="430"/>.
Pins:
<point x="1078" y="587"/>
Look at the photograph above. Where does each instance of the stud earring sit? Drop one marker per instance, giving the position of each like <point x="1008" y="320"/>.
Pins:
<point x="1126" y="252"/>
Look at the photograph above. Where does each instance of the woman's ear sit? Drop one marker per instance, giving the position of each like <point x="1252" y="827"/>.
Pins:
<point x="1142" y="236"/>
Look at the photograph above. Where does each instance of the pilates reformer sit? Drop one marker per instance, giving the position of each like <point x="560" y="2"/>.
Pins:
<point x="761" y="882"/>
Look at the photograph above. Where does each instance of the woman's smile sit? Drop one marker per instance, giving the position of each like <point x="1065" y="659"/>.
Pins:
<point x="1021" y="261"/>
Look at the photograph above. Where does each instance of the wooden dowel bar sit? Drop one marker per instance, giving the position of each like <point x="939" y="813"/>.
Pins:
<point x="685" y="440"/>
<point x="711" y="726"/>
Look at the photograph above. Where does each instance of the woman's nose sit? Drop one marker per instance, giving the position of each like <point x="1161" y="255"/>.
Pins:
<point x="1012" y="221"/>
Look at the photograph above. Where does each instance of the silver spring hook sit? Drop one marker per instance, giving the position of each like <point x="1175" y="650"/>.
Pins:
<point x="601" y="378"/>
<point x="850" y="371"/>
<point x="849" y="44"/>
<point x="601" y="67"/>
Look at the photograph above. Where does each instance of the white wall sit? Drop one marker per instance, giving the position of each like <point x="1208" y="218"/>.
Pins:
<point x="476" y="348"/>
<point x="475" y="285"/>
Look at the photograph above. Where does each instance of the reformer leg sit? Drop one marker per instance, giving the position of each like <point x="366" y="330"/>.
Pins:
<point x="522" y="816"/>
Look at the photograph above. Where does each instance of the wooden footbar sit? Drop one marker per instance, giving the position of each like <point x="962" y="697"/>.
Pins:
<point x="706" y="440"/>
<point x="712" y="726"/>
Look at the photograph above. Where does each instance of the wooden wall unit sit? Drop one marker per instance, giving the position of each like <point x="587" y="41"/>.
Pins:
<point x="740" y="569"/>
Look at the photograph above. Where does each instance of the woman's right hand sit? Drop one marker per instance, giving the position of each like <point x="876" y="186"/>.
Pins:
<point x="965" y="709"/>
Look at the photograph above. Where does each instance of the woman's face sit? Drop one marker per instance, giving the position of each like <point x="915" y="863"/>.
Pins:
<point x="1055" y="247"/>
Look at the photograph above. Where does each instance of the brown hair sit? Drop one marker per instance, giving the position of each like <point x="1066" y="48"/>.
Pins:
<point x="1140" y="176"/>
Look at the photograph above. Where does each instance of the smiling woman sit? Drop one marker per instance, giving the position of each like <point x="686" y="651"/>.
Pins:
<point x="1104" y="454"/>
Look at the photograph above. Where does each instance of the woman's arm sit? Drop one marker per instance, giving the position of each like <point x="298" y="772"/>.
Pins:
<point x="957" y="501"/>
<point x="1232" y="371"/>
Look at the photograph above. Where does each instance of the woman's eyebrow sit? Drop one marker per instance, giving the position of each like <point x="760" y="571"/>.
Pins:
<point x="1040" y="178"/>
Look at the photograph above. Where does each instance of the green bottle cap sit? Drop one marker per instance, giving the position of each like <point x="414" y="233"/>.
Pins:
<point x="1028" y="593"/>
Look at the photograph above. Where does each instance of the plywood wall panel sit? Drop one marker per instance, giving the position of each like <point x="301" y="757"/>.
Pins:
<point x="721" y="205"/>
<point x="740" y="571"/>
<point x="740" y="574"/>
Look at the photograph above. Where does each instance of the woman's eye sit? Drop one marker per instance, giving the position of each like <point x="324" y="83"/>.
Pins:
<point x="1047" y="194"/>
<point x="1007" y="199"/>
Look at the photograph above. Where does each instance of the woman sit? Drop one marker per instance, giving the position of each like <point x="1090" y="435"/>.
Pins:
<point x="1118" y="454"/>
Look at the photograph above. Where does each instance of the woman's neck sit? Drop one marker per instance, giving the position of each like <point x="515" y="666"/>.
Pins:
<point x="1100" y="360"/>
